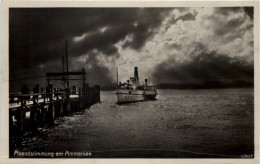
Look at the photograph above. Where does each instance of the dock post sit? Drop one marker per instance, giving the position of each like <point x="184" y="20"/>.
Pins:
<point x="44" y="96"/>
<point x="53" y="111"/>
<point x="80" y="99"/>
<point x="12" y="131"/>
<point x="67" y="102"/>
<point x="61" y="107"/>
<point x="34" y="117"/>
<point x="11" y="123"/>
<point x="87" y="97"/>
<point x="50" y="113"/>
<point x="21" y="115"/>
<point x="97" y="93"/>
<point x="84" y="89"/>
<point x="68" y="109"/>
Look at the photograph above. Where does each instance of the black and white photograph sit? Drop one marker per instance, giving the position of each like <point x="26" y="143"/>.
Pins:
<point x="131" y="82"/>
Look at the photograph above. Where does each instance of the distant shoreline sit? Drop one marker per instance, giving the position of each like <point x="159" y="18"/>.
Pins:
<point x="187" y="86"/>
<point x="194" y="88"/>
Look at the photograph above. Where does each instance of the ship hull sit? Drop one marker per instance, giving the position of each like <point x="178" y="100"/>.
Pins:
<point x="127" y="96"/>
<point x="150" y="97"/>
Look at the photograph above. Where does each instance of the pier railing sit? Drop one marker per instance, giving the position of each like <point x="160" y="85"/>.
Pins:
<point x="28" y="112"/>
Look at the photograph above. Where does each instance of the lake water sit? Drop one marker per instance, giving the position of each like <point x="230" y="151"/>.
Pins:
<point x="210" y="123"/>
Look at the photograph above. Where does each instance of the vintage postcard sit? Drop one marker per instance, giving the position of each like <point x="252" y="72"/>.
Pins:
<point x="140" y="81"/>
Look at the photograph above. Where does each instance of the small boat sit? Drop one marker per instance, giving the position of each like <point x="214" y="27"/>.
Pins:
<point x="133" y="91"/>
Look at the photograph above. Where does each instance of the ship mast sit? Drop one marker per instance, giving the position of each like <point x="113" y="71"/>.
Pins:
<point x="116" y="75"/>
<point x="63" y="65"/>
<point x="67" y="63"/>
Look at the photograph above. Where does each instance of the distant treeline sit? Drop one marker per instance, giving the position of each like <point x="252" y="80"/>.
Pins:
<point x="206" y="85"/>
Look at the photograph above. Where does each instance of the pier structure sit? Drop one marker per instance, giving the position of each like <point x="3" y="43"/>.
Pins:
<point x="28" y="112"/>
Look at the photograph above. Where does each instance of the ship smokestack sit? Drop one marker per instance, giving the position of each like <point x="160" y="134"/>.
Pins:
<point x="145" y="81"/>
<point x="136" y="72"/>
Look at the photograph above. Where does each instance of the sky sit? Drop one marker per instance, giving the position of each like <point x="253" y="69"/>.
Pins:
<point x="168" y="45"/>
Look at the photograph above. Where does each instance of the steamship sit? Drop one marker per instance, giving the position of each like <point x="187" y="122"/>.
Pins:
<point x="133" y="91"/>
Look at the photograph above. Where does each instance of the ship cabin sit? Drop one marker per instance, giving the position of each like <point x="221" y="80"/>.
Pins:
<point x="134" y="84"/>
<point x="150" y="88"/>
<point x="125" y="86"/>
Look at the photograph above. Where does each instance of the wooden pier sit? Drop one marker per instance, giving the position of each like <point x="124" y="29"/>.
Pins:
<point x="28" y="112"/>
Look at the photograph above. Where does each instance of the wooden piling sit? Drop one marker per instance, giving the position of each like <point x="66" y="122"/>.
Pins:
<point x="34" y="119"/>
<point x="87" y="97"/>
<point x="97" y="93"/>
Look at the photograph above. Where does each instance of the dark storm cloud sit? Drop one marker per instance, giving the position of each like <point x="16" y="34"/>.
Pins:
<point x="226" y="10"/>
<point x="185" y="17"/>
<point x="37" y="42"/>
<point x="121" y="22"/>
<point x="249" y="11"/>
<point x="37" y="35"/>
<point x="223" y="27"/>
<point x="204" y="67"/>
<point x="98" y="72"/>
<point x="174" y="46"/>
<point x="41" y="33"/>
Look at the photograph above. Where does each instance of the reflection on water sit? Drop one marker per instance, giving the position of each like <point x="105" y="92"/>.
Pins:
<point x="180" y="123"/>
